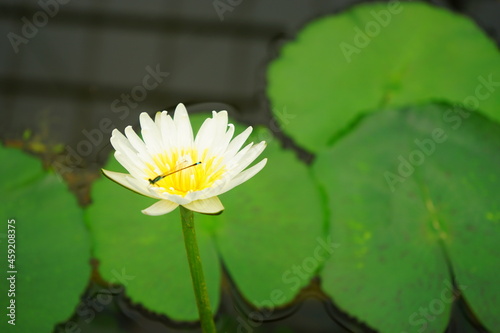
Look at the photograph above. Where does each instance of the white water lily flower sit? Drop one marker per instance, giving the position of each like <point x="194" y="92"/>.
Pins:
<point x="166" y="164"/>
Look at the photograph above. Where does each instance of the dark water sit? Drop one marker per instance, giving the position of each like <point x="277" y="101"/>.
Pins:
<point x="311" y="311"/>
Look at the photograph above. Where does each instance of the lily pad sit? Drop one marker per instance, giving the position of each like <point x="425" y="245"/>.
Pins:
<point x="270" y="223"/>
<point x="380" y="55"/>
<point x="271" y="235"/>
<point x="414" y="198"/>
<point x="52" y="247"/>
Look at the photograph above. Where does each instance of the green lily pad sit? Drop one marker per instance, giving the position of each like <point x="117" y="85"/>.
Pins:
<point x="408" y="191"/>
<point x="52" y="247"/>
<point x="263" y="233"/>
<point x="375" y="56"/>
<point x="271" y="234"/>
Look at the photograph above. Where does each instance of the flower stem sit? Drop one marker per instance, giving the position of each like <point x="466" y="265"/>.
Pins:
<point x="199" y="284"/>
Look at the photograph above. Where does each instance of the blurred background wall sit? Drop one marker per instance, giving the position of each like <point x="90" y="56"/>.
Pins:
<point x="67" y="65"/>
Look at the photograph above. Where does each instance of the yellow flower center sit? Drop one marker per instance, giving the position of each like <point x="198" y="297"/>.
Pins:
<point x="193" y="178"/>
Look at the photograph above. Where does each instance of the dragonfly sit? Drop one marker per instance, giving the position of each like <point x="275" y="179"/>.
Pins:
<point x="160" y="177"/>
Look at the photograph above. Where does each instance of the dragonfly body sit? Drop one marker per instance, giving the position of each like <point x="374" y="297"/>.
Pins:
<point x="160" y="177"/>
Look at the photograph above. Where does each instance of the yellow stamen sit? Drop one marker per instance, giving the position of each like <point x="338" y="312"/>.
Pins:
<point x="191" y="178"/>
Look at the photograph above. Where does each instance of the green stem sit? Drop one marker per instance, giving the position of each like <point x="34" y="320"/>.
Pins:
<point x="199" y="284"/>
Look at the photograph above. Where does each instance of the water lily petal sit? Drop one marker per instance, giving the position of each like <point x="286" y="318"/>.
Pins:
<point x="160" y="207"/>
<point x="244" y="176"/>
<point x="134" y="139"/>
<point x="204" y="137"/>
<point x="118" y="141"/>
<point x="206" y="206"/>
<point x="183" y="125"/>
<point x="151" y="134"/>
<point x="168" y="130"/>
<point x="220" y="127"/>
<point x="181" y="200"/>
<point x="123" y="145"/>
<point x="227" y="137"/>
<point x="139" y="146"/>
<point x="238" y="141"/>
<point x="129" y="164"/>
<point x="125" y="180"/>
<point x="244" y="160"/>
